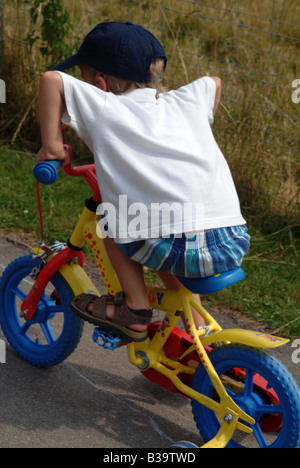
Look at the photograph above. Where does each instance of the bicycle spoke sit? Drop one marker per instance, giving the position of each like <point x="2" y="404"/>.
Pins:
<point x="24" y="329"/>
<point x="249" y="382"/>
<point x="19" y="293"/>
<point x="47" y="330"/>
<point x="269" y="409"/>
<point x="54" y="309"/>
<point x="258" y="434"/>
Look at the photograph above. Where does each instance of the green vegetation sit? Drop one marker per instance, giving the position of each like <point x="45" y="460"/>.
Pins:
<point x="61" y="202"/>
<point x="270" y="294"/>
<point x="254" y="47"/>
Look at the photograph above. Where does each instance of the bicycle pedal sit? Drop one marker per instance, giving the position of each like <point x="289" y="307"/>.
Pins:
<point x="107" y="340"/>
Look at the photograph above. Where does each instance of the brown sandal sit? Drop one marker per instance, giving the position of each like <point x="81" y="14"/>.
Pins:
<point x="122" y="318"/>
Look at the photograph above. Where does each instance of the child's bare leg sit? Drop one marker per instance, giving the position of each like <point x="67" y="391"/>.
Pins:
<point x="171" y="282"/>
<point x="130" y="275"/>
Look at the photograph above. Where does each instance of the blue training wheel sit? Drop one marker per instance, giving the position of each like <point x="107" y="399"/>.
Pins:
<point x="54" y="331"/>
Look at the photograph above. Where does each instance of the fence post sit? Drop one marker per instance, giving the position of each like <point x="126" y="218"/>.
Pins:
<point x="1" y="38"/>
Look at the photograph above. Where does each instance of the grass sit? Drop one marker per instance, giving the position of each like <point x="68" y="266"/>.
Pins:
<point x="254" y="47"/>
<point x="270" y="294"/>
<point x="61" y="202"/>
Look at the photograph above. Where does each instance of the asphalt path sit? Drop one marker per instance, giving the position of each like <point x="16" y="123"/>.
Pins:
<point x="96" y="398"/>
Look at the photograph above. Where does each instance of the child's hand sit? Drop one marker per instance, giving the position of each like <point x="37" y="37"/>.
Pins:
<point x="48" y="155"/>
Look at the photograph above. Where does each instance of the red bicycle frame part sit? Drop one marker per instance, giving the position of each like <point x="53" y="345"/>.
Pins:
<point x="87" y="171"/>
<point x="31" y="301"/>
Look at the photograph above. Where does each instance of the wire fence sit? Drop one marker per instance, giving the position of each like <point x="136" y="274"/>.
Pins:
<point x="253" y="46"/>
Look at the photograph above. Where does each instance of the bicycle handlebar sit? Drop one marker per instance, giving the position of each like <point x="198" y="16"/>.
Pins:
<point x="45" y="172"/>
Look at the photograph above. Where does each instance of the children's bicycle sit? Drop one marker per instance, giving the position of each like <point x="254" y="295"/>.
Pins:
<point x="240" y="394"/>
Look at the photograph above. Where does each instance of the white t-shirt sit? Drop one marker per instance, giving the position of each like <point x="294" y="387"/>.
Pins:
<point x="158" y="165"/>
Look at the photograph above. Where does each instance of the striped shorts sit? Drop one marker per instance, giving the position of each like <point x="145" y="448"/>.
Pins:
<point x="192" y="255"/>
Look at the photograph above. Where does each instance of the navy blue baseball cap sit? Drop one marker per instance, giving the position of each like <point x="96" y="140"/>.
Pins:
<point x="123" y="50"/>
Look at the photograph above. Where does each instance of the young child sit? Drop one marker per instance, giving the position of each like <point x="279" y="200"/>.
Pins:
<point x="157" y="150"/>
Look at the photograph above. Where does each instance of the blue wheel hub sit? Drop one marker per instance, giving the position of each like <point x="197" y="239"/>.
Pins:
<point x="250" y="404"/>
<point x="42" y="313"/>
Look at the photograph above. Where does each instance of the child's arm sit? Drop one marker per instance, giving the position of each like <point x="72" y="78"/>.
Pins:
<point x="218" y="93"/>
<point x="51" y="106"/>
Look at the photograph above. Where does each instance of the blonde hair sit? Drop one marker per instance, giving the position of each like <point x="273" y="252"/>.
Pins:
<point x="120" y="86"/>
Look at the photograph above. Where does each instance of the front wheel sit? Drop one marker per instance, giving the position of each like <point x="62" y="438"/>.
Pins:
<point x="261" y="386"/>
<point x="54" y="331"/>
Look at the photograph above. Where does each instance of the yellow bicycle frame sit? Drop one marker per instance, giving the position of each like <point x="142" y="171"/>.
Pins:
<point x="150" y="353"/>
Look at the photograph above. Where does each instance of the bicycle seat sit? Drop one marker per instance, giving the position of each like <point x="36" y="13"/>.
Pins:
<point x="212" y="284"/>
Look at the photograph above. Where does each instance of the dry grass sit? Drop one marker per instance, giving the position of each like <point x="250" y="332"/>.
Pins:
<point x="252" y="45"/>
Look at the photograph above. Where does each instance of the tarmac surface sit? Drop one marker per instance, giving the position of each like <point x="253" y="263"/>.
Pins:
<point x="96" y="398"/>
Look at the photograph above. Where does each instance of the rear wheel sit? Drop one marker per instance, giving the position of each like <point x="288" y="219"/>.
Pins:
<point x="54" y="331"/>
<point x="261" y="386"/>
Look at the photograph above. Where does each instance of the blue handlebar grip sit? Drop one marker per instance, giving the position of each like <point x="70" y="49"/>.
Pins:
<point x="46" y="171"/>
